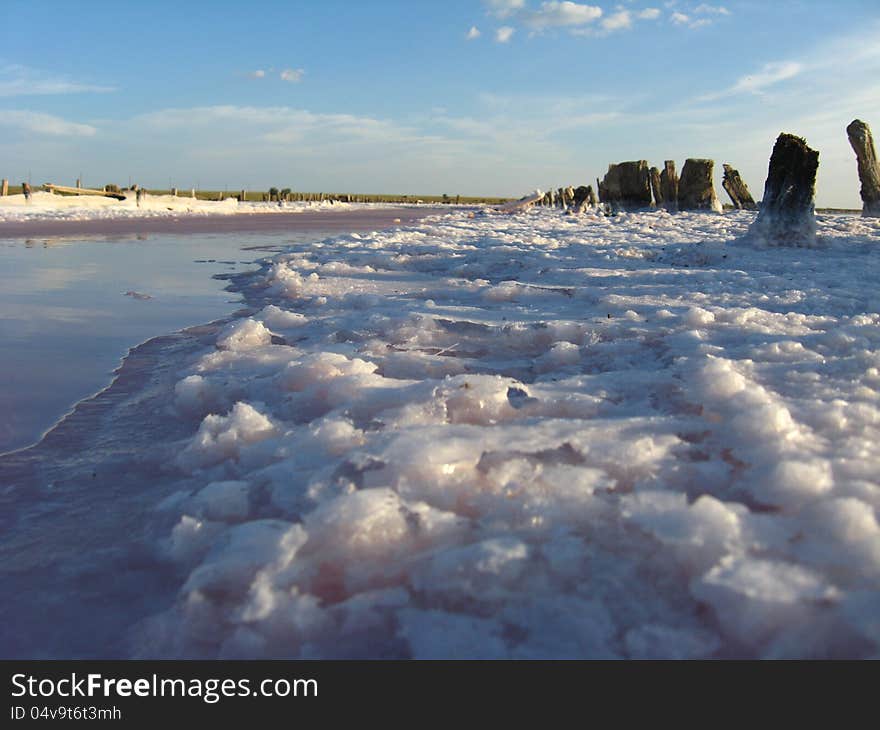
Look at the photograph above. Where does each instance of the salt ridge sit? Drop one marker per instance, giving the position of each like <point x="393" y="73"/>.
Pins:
<point x="536" y="436"/>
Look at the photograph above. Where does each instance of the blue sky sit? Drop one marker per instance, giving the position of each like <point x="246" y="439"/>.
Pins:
<point x="463" y="96"/>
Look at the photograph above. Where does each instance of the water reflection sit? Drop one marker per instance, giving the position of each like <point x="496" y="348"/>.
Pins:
<point x="70" y="308"/>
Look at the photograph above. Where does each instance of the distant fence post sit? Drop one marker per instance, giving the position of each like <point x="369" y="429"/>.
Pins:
<point x="4" y="189"/>
<point x="174" y="192"/>
<point x="78" y="183"/>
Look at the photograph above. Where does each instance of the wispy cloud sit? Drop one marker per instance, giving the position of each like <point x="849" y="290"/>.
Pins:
<point x="504" y="8"/>
<point x="473" y="33"/>
<point x="620" y="20"/>
<point x="44" y="124"/>
<point x="504" y="34"/>
<point x="768" y="75"/>
<point x="258" y="74"/>
<point x="292" y="75"/>
<point x="18" y="80"/>
<point x="704" y="9"/>
<point x="701" y="16"/>
<point x="578" y="19"/>
<point x="563" y="14"/>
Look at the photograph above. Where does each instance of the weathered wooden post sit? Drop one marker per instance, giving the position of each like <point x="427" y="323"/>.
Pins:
<point x="592" y="201"/>
<point x="78" y="182"/>
<point x="656" y="190"/>
<point x="787" y="216"/>
<point x="4" y="187"/>
<point x="669" y="185"/>
<point x="862" y="142"/>
<point x="737" y="189"/>
<point x="696" y="190"/>
<point x="627" y="185"/>
<point x="579" y="198"/>
<point x="174" y="192"/>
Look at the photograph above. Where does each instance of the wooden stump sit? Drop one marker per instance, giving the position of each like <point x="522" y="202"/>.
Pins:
<point x="669" y="185"/>
<point x="737" y="190"/>
<point x="627" y="186"/>
<point x="787" y="216"/>
<point x="4" y="187"/>
<point x="695" y="188"/>
<point x="580" y="195"/>
<point x="862" y="142"/>
<point x="656" y="189"/>
<point x="583" y="197"/>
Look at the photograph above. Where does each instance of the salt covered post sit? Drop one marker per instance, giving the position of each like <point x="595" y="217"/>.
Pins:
<point x="787" y="216"/>
<point x="737" y="189"/>
<point x="669" y="185"/>
<point x="4" y="188"/>
<point x="696" y="191"/>
<point x="862" y="142"/>
<point x="174" y="192"/>
<point x="656" y="190"/>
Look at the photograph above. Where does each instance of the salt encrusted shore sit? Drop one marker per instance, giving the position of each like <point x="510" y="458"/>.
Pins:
<point x="642" y="436"/>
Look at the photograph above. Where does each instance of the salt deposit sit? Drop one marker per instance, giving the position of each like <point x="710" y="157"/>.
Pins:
<point x="534" y="436"/>
<point x="49" y="206"/>
<point x="540" y="435"/>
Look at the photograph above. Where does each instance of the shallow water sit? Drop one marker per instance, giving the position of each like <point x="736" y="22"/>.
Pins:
<point x="70" y="309"/>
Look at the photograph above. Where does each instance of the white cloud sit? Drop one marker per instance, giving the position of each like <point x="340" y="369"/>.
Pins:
<point x="39" y="123"/>
<point x="258" y="74"/>
<point x="473" y="33"/>
<point x="649" y="14"/>
<point x="689" y="21"/>
<point x="293" y="75"/>
<point x="272" y="124"/>
<point x="561" y="14"/>
<point x="18" y="80"/>
<point x="709" y="12"/>
<point x="704" y="9"/>
<point x="504" y="34"/>
<point x="504" y="8"/>
<point x="770" y="73"/>
<point x="618" y="21"/>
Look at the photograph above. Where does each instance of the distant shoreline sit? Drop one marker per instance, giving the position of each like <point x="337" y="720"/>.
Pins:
<point x="359" y="219"/>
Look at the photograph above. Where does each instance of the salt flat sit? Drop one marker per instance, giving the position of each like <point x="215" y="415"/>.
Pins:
<point x="528" y="436"/>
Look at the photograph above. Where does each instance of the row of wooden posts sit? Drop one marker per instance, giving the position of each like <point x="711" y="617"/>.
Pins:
<point x="633" y="185"/>
<point x="788" y="193"/>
